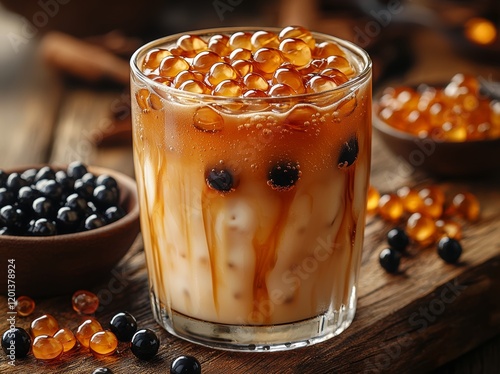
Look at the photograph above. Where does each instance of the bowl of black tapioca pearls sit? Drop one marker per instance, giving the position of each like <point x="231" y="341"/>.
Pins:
<point x="64" y="228"/>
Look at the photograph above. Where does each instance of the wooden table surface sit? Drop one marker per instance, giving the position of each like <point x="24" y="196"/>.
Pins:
<point x="432" y="317"/>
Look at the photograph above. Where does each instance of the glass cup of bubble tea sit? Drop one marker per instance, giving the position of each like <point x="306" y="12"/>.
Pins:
<point x="252" y="158"/>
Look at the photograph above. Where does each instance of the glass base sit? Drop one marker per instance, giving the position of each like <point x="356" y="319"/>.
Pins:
<point x="248" y="338"/>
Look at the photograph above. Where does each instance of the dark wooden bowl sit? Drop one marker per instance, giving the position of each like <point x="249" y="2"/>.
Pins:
<point x="441" y="158"/>
<point x="61" y="264"/>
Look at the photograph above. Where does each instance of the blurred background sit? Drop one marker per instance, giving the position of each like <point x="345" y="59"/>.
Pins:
<point x="391" y="30"/>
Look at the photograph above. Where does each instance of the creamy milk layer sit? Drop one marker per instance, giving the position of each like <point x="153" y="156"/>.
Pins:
<point x="255" y="255"/>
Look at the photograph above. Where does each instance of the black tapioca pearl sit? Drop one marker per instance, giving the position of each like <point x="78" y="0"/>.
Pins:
<point x="348" y="153"/>
<point x="220" y="180"/>
<point x="283" y="175"/>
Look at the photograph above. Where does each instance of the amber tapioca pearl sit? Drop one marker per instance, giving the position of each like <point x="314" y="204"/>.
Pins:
<point x="240" y="54"/>
<point x="465" y="205"/>
<point x="450" y="228"/>
<point x="66" y="337"/>
<point x="47" y="348"/>
<point x="240" y="39"/>
<point x="85" y="331"/>
<point x="290" y="77"/>
<point x="85" y="302"/>
<point x="153" y="58"/>
<point x="267" y="60"/>
<point x="262" y="38"/>
<point x="219" y="72"/>
<point x="255" y="81"/>
<point x="191" y="45"/>
<point x="208" y="120"/>
<point x="421" y="228"/>
<point x="44" y="325"/>
<point x="25" y="305"/>
<point x="373" y="197"/>
<point x="219" y="44"/>
<point x="204" y="61"/>
<point x="103" y="343"/>
<point x="298" y="32"/>
<point x="390" y="207"/>
<point x="295" y="51"/>
<point x="412" y="202"/>
<point x="170" y="66"/>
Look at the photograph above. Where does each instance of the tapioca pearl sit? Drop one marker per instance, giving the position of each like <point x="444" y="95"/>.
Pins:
<point x="264" y="38"/>
<point x="155" y="102"/>
<point x="208" y="120"/>
<point x="345" y="107"/>
<point x="255" y="93"/>
<point x="300" y="118"/>
<point x="191" y="45"/>
<point x="314" y="67"/>
<point x="421" y="228"/>
<point x="373" y="197"/>
<point x="348" y="152"/>
<point x="219" y="72"/>
<point x="339" y="63"/>
<point x="296" y="51"/>
<point x="229" y="88"/>
<point x="240" y="39"/>
<point x="219" y="44"/>
<point x="240" y="54"/>
<point x="220" y="180"/>
<point x="256" y="105"/>
<point x="326" y="49"/>
<point x="194" y="86"/>
<point x="153" y="58"/>
<point x="432" y="208"/>
<point x="162" y="80"/>
<point x="298" y="32"/>
<point x="410" y="198"/>
<point x="283" y="175"/>
<point x="281" y="89"/>
<point x="176" y="51"/>
<point x="141" y="97"/>
<point x="320" y="83"/>
<point x="170" y="66"/>
<point x="184" y="76"/>
<point x="267" y="60"/>
<point x="204" y="60"/>
<point x="466" y="205"/>
<point x="449" y="228"/>
<point x="339" y="77"/>
<point x="290" y="77"/>
<point x="254" y="81"/>
<point x="243" y="67"/>
<point x="390" y="207"/>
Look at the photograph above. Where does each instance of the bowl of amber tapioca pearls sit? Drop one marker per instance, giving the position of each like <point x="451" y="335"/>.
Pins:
<point x="447" y="130"/>
<point x="63" y="228"/>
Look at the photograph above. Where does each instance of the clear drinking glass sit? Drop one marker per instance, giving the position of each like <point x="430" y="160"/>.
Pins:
<point x="252" y="209"/>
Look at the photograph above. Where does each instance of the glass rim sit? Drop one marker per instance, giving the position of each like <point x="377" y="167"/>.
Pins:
<point x="362" y="76"/>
